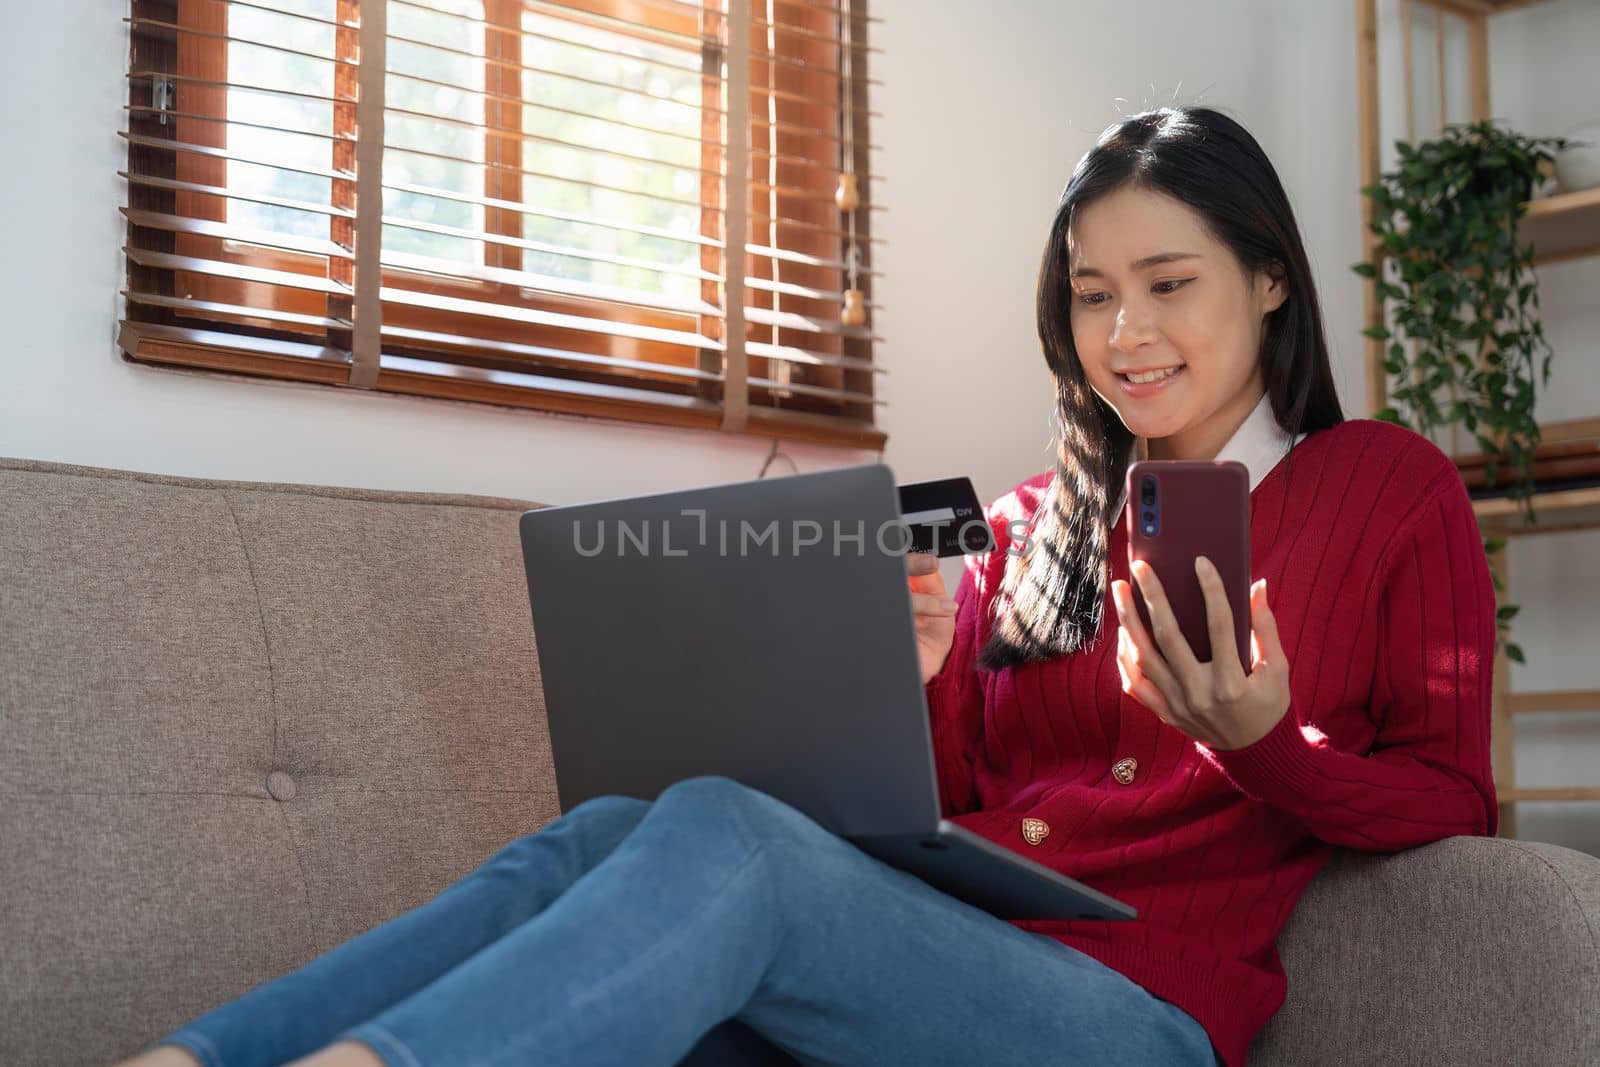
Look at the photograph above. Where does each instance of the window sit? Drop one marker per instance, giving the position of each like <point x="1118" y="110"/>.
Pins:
<point x="524" y="203"/>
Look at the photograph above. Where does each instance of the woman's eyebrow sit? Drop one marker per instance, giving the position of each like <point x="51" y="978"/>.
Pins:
<point x="1139" y="264"/>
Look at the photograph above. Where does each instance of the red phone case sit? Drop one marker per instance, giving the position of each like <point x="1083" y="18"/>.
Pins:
<point x="1203" y="508"/>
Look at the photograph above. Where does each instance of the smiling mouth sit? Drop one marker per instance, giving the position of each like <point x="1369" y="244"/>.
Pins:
<point x="1151" y="376"/>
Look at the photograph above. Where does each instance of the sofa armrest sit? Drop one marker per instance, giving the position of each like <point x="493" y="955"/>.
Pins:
<point x="1466" y="950"/>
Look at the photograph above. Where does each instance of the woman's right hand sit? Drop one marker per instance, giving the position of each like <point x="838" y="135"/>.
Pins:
<point x="934" y="610"/>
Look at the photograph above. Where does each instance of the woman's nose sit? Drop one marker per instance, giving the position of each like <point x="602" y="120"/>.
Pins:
<point x="1131" y="329"/>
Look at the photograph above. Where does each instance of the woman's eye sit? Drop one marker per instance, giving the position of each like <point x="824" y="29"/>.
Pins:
<point x="1160" y="287"/>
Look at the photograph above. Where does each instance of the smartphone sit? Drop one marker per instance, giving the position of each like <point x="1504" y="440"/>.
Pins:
<point x="1177" y="510"/>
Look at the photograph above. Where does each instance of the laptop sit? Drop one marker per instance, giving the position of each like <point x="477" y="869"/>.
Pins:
<point x="762" y="631"/>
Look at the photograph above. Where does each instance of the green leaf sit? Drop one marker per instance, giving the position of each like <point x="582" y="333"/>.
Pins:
<point x="1507" y="612"/>
<point x="1514" y="653"/>
<point x="1366" y="270"/>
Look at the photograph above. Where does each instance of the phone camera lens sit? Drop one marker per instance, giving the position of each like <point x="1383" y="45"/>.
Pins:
<point x="1149" y="492"/>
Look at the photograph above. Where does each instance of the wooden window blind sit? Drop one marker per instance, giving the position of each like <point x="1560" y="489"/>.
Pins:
<point x="516" y="202"/>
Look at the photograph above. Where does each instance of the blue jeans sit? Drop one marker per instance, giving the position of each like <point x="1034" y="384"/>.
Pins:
<point x="625" y="930"/>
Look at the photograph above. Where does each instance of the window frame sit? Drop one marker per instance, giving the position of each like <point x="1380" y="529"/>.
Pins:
<point x="477" y="374"/>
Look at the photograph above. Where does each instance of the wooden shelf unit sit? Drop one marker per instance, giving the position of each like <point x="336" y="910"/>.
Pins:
<point x="1562" y="227"/>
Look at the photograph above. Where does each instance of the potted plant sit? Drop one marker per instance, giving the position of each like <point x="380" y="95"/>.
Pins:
<point x="1466" y="343"/>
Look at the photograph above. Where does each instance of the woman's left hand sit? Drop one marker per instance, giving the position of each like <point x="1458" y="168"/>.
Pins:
<point x="1215" y="703"/>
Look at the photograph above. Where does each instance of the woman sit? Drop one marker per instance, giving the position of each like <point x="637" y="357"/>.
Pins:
<point x="1178" y="318"/>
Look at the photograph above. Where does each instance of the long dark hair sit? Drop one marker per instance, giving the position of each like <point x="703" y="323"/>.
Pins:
<point x="1050" y="601"/>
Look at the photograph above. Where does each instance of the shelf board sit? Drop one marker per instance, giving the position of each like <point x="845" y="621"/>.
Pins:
<point x="1507" y="796"/>
<point x="1559" y="510"/>
<point x="1563" y="227"/>
<point x="1568" y="430"/>
<point x="1568" y="498"/>
<point x="1546" y="700"/>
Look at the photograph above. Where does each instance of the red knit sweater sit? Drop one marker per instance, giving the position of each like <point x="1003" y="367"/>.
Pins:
<point x="1376" y="573"/>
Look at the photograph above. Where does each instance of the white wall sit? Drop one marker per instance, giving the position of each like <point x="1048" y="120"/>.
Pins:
<point x="983" y="124"/>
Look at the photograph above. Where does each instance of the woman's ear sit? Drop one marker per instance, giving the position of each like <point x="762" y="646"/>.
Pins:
<point x="1272" y="287"/>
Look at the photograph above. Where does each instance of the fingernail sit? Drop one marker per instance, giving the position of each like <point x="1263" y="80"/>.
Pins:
<point x="1203" y="565"/>
<point x="947" y="604"/>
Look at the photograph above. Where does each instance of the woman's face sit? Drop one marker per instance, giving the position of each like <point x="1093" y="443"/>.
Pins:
<point x="1152" y="289"/>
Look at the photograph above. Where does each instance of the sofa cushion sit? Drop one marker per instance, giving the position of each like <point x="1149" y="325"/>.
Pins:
<point x="1465" y="950"/>
<point x="171" y="643"/>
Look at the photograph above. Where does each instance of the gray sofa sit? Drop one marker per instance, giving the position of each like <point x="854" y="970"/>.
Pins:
<point x="240" y="723"/>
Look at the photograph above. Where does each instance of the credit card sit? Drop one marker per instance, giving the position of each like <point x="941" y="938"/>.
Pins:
<point x="945" y="517"/>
